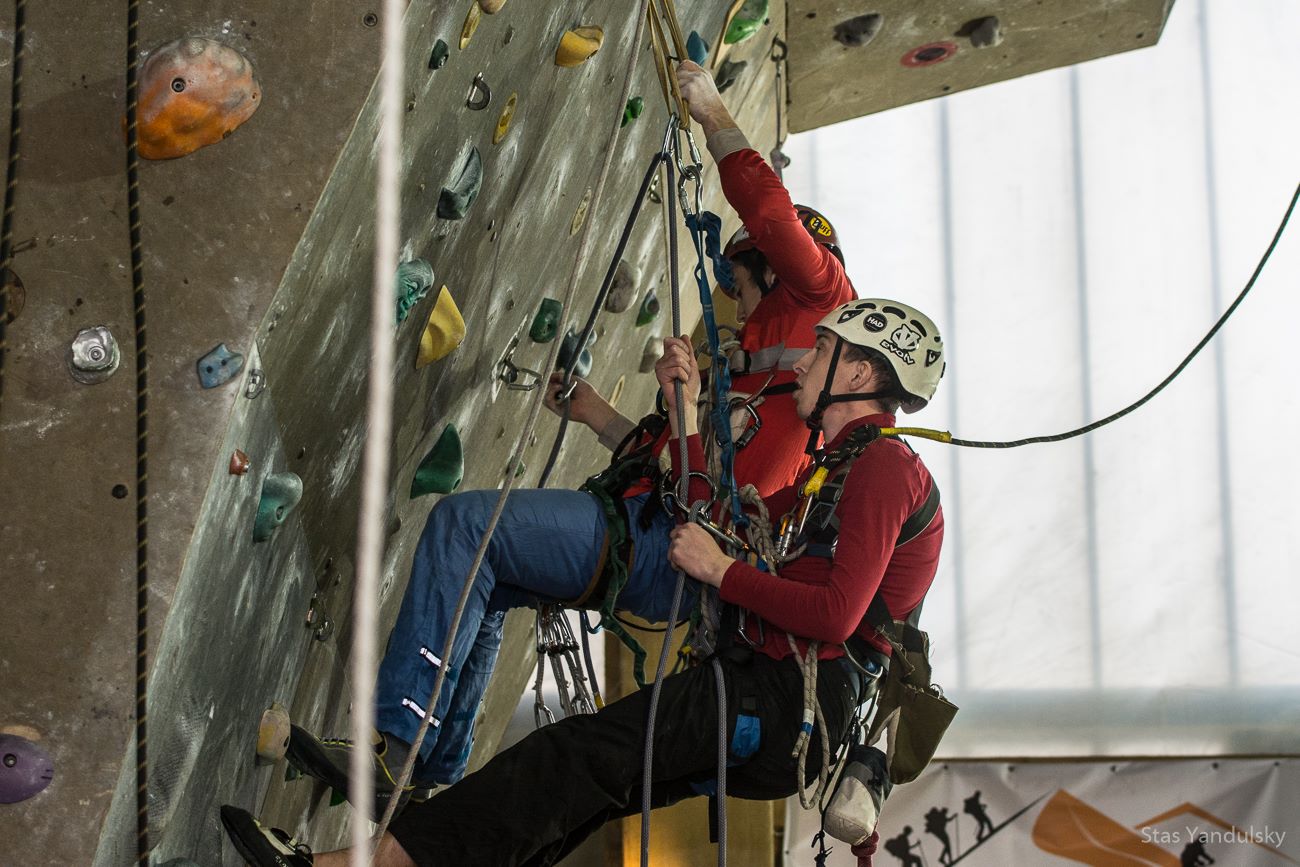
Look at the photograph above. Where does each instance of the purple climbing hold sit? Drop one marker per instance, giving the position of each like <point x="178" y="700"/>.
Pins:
<point x="25" y="769"/>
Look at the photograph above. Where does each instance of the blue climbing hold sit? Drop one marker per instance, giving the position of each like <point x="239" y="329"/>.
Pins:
<point x="414" y="280"/>
<point x="568" y="347"/>
<point x="280" y="494"/>
<point x="25" y="769"/>
<point x="219" y="366"/>
<point x="697" y="48"/>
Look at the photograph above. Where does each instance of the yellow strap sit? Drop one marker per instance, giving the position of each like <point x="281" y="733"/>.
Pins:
<point x="814" y="484"/>
<point x="939" y="436"/>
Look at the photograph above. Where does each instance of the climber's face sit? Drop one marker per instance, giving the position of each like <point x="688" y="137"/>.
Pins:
<point x="747" y="292"/>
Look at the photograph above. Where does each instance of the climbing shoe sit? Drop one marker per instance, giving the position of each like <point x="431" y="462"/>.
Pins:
<point x="327" y="759"/>
<point x="262" y="846"/>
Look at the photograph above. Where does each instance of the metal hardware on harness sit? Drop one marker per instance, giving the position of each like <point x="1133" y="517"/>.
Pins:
<point x="508" y="372"/>
<point x="752" y="430"/>
<point x="669" y="497"/>
<point x="556" y="643"/>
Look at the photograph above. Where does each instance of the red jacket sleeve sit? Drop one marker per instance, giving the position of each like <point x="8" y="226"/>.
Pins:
<point x="809" y="271"/>
<point x="827" y="604"/>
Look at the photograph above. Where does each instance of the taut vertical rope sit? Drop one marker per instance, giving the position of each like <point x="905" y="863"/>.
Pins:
<point x="11" y="176"/>
<point x="379" y="423"/>
<point x="141" y="436"/>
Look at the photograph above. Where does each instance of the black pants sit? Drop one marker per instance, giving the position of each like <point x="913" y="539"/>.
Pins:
<point x="534" y="803"/>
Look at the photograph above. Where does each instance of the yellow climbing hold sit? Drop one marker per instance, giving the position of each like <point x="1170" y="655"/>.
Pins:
<point x="578" y="45"/>
<point x="444" y="331"/>
<point x="503" y="123"/>
<point x="616" y="394"/>
<point x="273" y="733"/>
<point x="580" y="215"/>
<point x="471" y="24"/>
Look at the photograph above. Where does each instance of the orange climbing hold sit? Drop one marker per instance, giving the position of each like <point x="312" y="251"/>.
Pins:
<point x="193" y="92"/>
<point x="578" y="45"/>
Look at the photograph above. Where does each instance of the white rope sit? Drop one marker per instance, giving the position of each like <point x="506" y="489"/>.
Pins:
<point x="379" y="422"/>
<point x="533" y="412"/>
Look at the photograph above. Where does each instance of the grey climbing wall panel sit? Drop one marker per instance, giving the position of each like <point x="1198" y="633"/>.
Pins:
<point x="920" y="50"/>
<point x="263" y="242"/>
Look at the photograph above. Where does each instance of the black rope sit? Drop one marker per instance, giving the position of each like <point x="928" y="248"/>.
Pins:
<point x="141" y="437"/>
<point x="1055" y="438"/>
<point x="11" y="178"/>
<point x="595" y="311"/>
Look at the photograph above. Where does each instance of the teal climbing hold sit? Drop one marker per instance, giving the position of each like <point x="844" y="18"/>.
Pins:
<point x="546" y="324"/>
<point x="455" y="200"/>
<point x="649" y="309"/>
<point x="727" y="74"/>
<point x="697" y="48"/>
<point x="219" y="366"/>
<point x="414" y="280"/>
<point x="280" y="494"/>
<point x="746" y="22"/>
<point x="567" y="349"/>
<point x="438" y="58"/>
<point x="442" y="468"/>
<point x="632" y="110"/>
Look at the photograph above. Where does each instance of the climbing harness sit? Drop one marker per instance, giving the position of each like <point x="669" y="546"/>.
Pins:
<point x="526" y="431"/>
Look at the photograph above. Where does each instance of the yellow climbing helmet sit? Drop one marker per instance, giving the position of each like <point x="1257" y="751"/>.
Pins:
<point x="907" y="338"/>
<point x="818" y="226"/>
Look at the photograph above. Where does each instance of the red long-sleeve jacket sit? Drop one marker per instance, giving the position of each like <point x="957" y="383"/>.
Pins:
<point x="810" y="283"/>
<point x="822" y="599"/>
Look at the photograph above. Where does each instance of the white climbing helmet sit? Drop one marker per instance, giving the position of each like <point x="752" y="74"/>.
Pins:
<point x="907" y="338"/>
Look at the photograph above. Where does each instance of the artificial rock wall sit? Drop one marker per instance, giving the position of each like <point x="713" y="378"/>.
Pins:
<point x="263" y="242"/>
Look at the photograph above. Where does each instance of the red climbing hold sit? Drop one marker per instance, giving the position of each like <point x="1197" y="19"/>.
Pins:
<point x="193" y="92"/>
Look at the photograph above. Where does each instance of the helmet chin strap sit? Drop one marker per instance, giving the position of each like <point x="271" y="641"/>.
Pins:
<point x="825" y="398"/>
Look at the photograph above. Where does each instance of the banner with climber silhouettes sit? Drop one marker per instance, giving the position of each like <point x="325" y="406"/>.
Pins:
<point x="1107" y="813"/>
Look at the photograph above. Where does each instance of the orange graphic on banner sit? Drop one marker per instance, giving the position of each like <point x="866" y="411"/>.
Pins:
<point x="1071" y="829"/>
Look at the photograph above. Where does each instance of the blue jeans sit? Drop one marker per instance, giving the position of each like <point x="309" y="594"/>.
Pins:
<point x="546" y="548"/>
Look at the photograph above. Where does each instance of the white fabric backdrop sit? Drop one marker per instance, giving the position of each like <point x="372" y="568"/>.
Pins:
<point x="1124" y="814"/>
<point x="1075" y="233"/>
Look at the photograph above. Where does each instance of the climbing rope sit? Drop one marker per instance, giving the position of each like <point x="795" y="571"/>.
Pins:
<point x="526" y="432"/>
<point x="141" y="434"/>
<point x="946" y="437"/>
<point x="379" y="423"/>
<point x="11" y="178"/>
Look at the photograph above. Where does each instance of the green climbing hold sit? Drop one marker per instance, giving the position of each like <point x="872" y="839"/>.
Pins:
<point x="697" y="48"/>
<point x="649" y="309"/>
<point x="414" y="280"/>
<point x="632" y="110"/>
<point x="442" y="468"/>
<point x="336" y="797"/>
<point x="438" y="59"/>
<point x="727" y="74"/>
<point x="746" y="22"/>
<point x="568" y="347"/>
<point x="546" y="324"/>
<point x="280" y="494"/>
<point x="455" y="199"/>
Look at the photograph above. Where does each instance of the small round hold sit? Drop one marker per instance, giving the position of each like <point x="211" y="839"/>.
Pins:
<point x="985" y="32"/>
<point x="491" y="7"/>
<point x="240" y="463"/>
<point x="120" y="492"/>
<point x="929" y="54"/>
<point x="370" y="19"/>
<point x="273" y="733"/>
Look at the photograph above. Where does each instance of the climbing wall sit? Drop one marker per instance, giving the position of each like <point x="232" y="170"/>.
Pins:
<point x="848" y="59"/>
<point x="258" y="241"/>
<point x="261" y="242"/>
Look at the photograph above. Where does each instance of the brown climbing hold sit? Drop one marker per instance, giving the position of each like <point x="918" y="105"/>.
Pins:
<point x="193" y="92"/>
<point x="240" y="463"/>
<point x="15" y="294"/>
<point x="983" y="32"/>
<point x="578" y="45"/>
<point x="491" y="7"/>
<point x="650" y="353"/>
<point x="472" y="19"/>
<point x="273" y="734"/>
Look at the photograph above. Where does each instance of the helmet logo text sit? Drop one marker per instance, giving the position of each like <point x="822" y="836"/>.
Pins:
<point x="902" y="342"/>
<point x="875" y="322"/>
